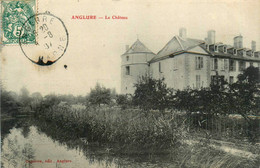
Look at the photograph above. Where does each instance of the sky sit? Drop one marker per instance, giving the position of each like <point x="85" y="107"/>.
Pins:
<point x="95" y="46"/>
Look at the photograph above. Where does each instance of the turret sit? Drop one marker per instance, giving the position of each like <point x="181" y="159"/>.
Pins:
<point x="134" y="64"/>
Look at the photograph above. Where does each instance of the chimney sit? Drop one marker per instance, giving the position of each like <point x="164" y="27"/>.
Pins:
<point x="238" y="41"/>
<point x="182" y="33"/>
<point x="126" y="47"/>
<point x="206" y="40"/>
<point x="211" y="36"/>
<point x="253" y="46"/>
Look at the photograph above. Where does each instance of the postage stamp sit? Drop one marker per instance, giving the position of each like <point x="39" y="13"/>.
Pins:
<point x="14" y="14"/>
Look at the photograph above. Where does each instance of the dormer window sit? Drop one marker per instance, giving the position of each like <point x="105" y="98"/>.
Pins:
<point x="225" y="49"/>
<point x="244" y="53"/>
<point x="127" y="58"/>
<point x="211" y="47"/>
<point x="235" y="52"/>
<point x="249" y="53"/>
<point x="216" y="48"/>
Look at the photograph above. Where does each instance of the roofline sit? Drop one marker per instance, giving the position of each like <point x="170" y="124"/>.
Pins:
<point x="169" y="42"/>
<point x="135" y="63"/>
<point x="209" y="54"/>
<point x="138" y="53"/>
<point x="167" y="56"/>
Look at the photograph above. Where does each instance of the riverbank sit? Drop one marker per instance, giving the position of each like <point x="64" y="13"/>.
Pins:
<point x="130" y="128"/>
<point x="136" y="132"/>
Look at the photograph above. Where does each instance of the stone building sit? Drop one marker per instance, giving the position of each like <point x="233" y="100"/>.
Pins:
<point x="186" y="62"/>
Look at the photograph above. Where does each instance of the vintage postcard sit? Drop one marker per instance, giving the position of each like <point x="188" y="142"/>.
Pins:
<point x="130" y="83"/>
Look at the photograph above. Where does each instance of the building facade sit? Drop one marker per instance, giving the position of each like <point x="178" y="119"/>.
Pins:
<point x="187" y="63"/>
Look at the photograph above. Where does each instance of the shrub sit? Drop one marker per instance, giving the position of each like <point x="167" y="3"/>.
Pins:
<point x="151" y="94"/>
<point x="100" y="95"/>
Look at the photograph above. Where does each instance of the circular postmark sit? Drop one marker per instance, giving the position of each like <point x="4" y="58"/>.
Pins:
<point x="51" y="39"/>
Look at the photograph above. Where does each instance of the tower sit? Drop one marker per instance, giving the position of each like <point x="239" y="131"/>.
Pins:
<point x="134" y="64"/>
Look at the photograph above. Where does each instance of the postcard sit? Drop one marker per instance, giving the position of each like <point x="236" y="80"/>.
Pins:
<point x="128" y="83"/>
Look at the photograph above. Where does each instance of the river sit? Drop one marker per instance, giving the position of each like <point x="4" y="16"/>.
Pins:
<point x="28" y="143"/>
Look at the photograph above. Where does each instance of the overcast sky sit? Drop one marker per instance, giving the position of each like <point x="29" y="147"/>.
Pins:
<point x="95" y="46"/>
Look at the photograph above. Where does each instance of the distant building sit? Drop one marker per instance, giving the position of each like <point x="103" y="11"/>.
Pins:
<point x="186" y="62"/>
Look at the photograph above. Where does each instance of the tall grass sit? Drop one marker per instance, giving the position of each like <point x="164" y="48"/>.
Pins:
<point x="129" y="128"/>
<point x="133" y="131"/>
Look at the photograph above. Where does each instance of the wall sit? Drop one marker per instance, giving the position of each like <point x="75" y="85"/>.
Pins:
<point x="138" y="67"/>
<point x="192" y="71"/>
<point x="172" y="70"/>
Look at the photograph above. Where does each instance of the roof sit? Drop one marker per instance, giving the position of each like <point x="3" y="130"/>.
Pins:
<point x="138" y="47"/>
<point x="227" y="55"/>
<point x="177" y="44"/>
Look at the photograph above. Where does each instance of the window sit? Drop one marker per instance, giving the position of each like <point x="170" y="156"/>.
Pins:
<point x="127" y="58"/>
<point x="231" y="79"/>
<point x="127" y="68"/>
<point x="251" y="64"/>
<point x="216" y="48"/>
<point x="225" y="49"/>
<point x="242" y="65"/>
<point x="222" y="64"/>
<point x="235" y="52"/>
<point x="199" y="62"/>
<point x="160" y="67"/>
<point x="214" y="64"/>
<point x="232" y="65"/>
<point x="197" y="81"/>
<point x="226" y="64"/>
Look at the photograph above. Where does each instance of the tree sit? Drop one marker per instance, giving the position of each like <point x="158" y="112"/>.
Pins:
<point x="9" y="105"/>
<point x="36" y="100"/>
<point x="100" y="95"/>
<point x="151" y="94"/>
<point x="245" y="97"/>
<point x="246" y="92"/>
<point x="24" y="97"/>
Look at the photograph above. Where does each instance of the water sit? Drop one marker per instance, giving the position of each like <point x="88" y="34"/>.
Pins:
<point x="27" y="143"/>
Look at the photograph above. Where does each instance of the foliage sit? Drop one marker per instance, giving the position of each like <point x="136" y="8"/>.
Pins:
<point x="245" y="98"/>
<point x="9" y="105"/>
<point x="128" y="128"/>
<point x="100" y="95"/>
<point x="124" y="100"/>
<point x="151" y="94"/>
<point x="242" y="97"/>
<point x="246" y="92"/>
<point x="24" y="97"/>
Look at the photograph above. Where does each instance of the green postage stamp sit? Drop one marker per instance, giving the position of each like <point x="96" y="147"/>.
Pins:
<point x="14" y="15"/>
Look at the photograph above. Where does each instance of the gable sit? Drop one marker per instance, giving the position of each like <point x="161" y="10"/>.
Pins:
<point x="138" y="47"/>
<point x="197" y="49"/>
<point x="171" y="47"/>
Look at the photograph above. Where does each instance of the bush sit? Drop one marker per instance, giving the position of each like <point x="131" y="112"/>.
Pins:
<point x="100" y="95"/>
<point x="152" y="94"/>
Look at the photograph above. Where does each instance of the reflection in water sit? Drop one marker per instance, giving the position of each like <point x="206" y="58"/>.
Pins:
<point x="40" y="141"/>
<point x="15" y="152"/>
